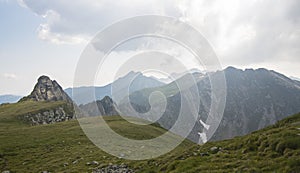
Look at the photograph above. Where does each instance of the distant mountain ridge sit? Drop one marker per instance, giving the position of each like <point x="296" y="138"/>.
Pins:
<point x="8" y="98"/>
<point x="174" y="76"/>
<point x="255" y="99"/>
<point x="295" y="78"/>
<point x="136" y="81"/>
<point x="104" y="107"/>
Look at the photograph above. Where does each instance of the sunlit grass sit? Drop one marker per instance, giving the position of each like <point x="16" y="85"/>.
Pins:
<point x="63" y="147"/>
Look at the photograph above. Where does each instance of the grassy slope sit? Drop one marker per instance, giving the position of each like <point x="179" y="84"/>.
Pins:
<point x="275" y="148"/>
<point x="26" y="148"/>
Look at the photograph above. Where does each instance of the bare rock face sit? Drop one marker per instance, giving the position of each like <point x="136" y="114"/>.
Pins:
<point x="47" y="90"/>
<point x="54" y="115"/>
<point x="114" y="169"/>
<point x="255" y="99"/>
<point x="106" y="106"/>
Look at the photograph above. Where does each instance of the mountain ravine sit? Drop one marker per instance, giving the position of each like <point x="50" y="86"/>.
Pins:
<point x="255" y="99"/>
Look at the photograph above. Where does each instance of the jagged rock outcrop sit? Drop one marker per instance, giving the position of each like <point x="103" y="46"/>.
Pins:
<point x="106" y="106"/>
<point x="47" y="90"/>
<point x="114" y="169"/>
<point x="50" y="116"/>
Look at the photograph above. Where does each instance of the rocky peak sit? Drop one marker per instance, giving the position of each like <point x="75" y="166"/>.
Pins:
<point x="47" y="90"/>
<point x="106" y="106"/>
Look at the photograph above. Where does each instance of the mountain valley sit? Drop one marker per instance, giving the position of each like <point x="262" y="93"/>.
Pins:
<point x="258" y="132"/>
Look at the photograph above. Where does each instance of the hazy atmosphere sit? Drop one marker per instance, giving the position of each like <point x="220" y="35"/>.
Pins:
<point x="38" y="36"/>
<point x="148" y="86"/>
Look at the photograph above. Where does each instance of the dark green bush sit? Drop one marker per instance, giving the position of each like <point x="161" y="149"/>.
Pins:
<point x="293" y="165"/>
<point x="291" y="143"/>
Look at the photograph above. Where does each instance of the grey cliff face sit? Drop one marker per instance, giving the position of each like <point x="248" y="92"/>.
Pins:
<point x="51" y="116"/>
<point x="48" y="90"/>
<point x="106" y="106"/>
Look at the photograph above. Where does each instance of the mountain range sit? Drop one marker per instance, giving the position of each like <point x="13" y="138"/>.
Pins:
<point x="64" y="147"/>
<point x="9" y="98"/>
<point x="255" y="99"/>
<point x="295" y="78"/>
<point x="135" y="80"/>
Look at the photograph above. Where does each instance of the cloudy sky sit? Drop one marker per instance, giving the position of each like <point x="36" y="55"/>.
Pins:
<point x="48" y="36"/>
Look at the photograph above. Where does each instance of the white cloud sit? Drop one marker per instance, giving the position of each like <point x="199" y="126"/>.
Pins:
<point x="244" y="32"/>
<point x="241" y="32"/>
<point x="9" y="76"/>
<point x="76" y="21"/>
<point x="44" y="33"/>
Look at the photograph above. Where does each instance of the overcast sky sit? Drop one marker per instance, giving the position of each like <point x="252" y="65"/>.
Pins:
<point x="47" y="36"/>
